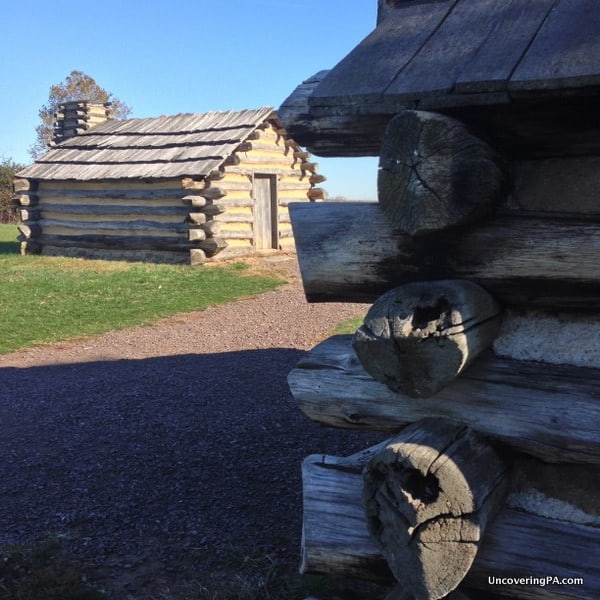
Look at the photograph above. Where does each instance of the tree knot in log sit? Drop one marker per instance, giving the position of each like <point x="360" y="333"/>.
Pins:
<point x="428" y="497"/>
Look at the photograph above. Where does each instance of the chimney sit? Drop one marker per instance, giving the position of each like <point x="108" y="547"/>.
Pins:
<point x="76" y="117"/>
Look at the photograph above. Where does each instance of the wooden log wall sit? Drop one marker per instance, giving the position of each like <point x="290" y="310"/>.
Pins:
<point x="453" y="213"/>
<point x="549" y="411"/>
<point x="545" y="529"/>
<point x="524" y="258"/>
<point x="267" y="152"/>
<point x="111" y="220"/>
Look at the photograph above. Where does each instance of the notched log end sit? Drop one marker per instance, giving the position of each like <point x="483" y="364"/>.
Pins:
<point x="435" y="174"/>
<point x="428" y="497"/>
<point x="419" y="337"/>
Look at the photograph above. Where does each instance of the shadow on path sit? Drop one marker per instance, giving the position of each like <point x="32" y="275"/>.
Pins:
<point x="159" y="465"/>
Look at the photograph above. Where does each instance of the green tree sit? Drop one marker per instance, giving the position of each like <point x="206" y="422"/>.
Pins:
<point x="76" y="86"/>
<point x="8" y="211"/>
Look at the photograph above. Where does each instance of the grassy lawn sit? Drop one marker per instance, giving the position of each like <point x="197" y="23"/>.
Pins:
<point x="349" y="326"/>
<point x="47" y="299"/>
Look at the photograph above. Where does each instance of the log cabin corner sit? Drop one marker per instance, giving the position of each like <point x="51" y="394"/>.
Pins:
<point x="181" y="189"/>
<point x="485" y="118"/>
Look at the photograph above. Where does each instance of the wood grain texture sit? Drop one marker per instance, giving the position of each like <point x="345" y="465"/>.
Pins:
<point x="349" y="252"/>
<point x="418" y="337"/>
<point x="491" y="66"/>
<point x="429" y="495"/>
<point x="565" y="51"/>
<point x="435" y="68"/>
<point x="369" y="69"/>
<point x="518" y="543"/>
<point x="548" y="411"/>
<point x="435" y="174"/>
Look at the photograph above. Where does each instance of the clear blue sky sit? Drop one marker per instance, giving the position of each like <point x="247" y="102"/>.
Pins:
<point x="164" y="58"/>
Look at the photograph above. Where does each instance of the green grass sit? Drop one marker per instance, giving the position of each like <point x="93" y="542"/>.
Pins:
<point x="49" y="299"/>
<point x="349" y="326"/>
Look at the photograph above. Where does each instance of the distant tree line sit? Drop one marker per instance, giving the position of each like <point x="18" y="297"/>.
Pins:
<point x="8" y="209"/>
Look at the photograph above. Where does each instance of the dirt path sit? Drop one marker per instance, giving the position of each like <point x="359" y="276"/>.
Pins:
<point x="153" y="452"/>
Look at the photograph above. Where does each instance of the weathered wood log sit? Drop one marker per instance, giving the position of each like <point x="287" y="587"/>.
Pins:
<point x="30" y="229"/>
<point x="197" y="218"/>
<point x="212" y="246"/>
<point x="56" y="211"/>
<point x="418" y="337"/>
<point x="109" y="241"/>
<point x="429" y="496"/>
<point x="195" y="201"/>
<point x="348" y="252"/>
<point x="521" y="542"/>
<point x="549" y="411"/>
<point x="24" y="185"/>
<point x="316" y="193"/>
<point x="196" y="235"/>
<point x="201" y="204"/>
<point x="435" y="174"/>
<point x="301" y="155"/>
<point x="112" y="192"/>
<point x="134" y="224"/>
<point x="27" y="199"/>
<point x="200" y="189"/>
<point x="216" y="175"/>
<point x="317" y="178"/>
<point x="197" y="256"/>
<point x="232" y="160"/>
<point x="212" y="228"/>
<point x="309" y="167"/>
<point x="354" y="135"/>
<point x="563" y="185"/>
<point x="141" y="255"/>
<point x="244" y="147"/>
<point x="27" y="214"/>
<point x="211" y="210"/>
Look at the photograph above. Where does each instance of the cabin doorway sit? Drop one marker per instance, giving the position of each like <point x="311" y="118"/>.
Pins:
<point x="265" y="212"/>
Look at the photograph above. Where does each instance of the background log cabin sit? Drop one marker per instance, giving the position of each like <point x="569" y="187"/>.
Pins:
<point x="180" y="189"/>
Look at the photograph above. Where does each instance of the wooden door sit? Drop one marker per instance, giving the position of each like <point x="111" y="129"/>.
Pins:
<point x="265" y="212"/>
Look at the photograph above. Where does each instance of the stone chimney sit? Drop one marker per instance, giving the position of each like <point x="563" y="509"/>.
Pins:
<point x="76" y="117"/>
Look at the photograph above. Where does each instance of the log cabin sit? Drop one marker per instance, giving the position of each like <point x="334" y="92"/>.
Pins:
<point x="485" y="119"/>
<point x="179" y="189"/>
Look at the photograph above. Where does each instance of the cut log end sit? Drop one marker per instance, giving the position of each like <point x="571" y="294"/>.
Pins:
<point x="417" y="338"/>
<point x="435" y="174"/>
<point x="428" y="497"/>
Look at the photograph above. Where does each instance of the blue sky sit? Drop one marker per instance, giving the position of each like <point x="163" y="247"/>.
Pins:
<point x="165" y="58"/>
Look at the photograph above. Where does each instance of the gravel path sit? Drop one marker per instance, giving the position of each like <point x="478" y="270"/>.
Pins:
<point x="154" y="451"/>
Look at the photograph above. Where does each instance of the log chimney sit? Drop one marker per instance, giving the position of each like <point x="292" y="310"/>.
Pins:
<point x="75" y="117"/>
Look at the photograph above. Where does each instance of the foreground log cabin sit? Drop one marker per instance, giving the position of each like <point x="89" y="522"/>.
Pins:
<point x="480" y="355"/>
<point x="181" y="189"/>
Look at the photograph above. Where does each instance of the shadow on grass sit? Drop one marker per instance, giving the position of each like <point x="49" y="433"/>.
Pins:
<point x="9" y="247"/>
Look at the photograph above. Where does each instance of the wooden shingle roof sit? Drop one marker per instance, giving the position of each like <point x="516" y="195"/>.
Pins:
<point x="184" y="145"/>
<point x="507" y="67"/>
<point x="437" y="48"/>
